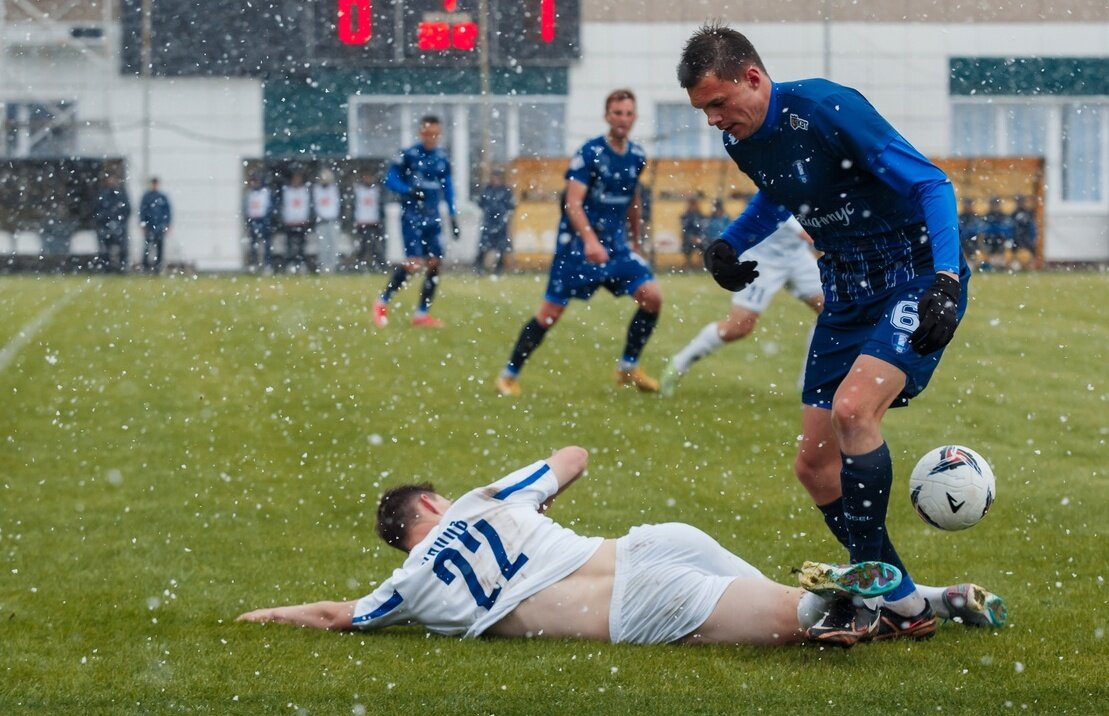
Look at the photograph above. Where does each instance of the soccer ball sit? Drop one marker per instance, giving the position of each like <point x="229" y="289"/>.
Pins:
<point x="951" y="488"/>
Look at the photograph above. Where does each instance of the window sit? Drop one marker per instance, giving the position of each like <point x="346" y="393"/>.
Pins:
<point x="1026" y="129"/>
<point x="680" y="130"/>
<point x="1083" y="175"/>
<point x="39" y="129"/>
<point x="973" y="130"/>
<point x="542" y="129"/>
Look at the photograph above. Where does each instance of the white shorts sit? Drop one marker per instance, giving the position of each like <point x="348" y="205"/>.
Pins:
<point x="777" y="268"/>
<point x="669" y="578"/>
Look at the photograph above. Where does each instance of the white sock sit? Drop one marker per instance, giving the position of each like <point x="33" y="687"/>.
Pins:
<point x="934" y="597"/>
<point x="706" y="342"/>
<point x="908" y="606"/>
<point x="810" y="609"/>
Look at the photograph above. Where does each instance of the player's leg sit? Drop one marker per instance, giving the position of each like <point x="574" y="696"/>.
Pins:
<point x="753" y="610"/>
<point x="739" y="323"/>
<point x="648" y="298"/>
<point x="432" y="251"/>
<point x="414" y="253"/>
<point x="531" y="335"/>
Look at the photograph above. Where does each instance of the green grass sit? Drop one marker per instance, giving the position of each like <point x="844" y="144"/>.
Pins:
<point x="176" y="451"/>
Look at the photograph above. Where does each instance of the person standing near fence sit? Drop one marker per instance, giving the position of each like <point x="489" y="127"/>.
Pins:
<point x="113" y="210"/>
<point x="155" y="217"/>
<point x="257" y="207"/>
<point x="325" y="205"/>
<point x="296" y="214"/>
<point x="367" y="225"/>
<point x="497" y="204"/>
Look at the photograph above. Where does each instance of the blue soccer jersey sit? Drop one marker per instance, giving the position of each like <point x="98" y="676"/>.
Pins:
<point x="428" y="170"/>
<point x="611" y="179"/>
<point x="881" y="212"/>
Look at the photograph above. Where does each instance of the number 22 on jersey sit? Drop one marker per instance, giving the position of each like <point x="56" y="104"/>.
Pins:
<point x="458" y="560"/>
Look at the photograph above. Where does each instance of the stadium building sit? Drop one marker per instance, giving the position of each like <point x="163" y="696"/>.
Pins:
<point x="196" y="92"/>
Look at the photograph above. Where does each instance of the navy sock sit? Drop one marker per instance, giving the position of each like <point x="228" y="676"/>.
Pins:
<point x="395" y="283"/>
<point x="427" y="293"/>
<point x="866" y="481"/>
<point x="531" y="335"/>
<point x="639" y="330"/>
<point x="833" y="517"/>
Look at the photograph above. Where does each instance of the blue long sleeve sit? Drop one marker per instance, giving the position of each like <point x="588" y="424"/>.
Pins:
<point x="912" y="175"/>
<point x="395" y="182"/>
<point x="759" y="220"/>
<point x="448" y="194"/>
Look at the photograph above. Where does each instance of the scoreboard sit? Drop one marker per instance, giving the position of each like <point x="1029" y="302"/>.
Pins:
<point x="263" y="37"/>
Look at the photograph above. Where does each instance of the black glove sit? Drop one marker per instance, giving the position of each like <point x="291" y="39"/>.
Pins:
<point x="417" y="194"/>
<point x="936" y="313"/>
<point x="455" y="233"/>
<point x="724" y="265"/>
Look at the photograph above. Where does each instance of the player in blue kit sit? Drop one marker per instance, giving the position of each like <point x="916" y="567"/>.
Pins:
<point x="894" y="283"/>
<point x="421" y="176"/>
<point x="593" y="248"/>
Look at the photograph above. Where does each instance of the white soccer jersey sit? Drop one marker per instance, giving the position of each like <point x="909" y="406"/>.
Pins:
<point x="325" y="198"/>
<point x="491" y="551"/>
<point x="783" y="244"/>
<point x="258" y="203"/>
<point x="294" y="205"/>
<point x="367" y="204"/>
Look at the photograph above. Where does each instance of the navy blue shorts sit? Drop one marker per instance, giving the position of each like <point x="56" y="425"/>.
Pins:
<point x="574" y="277"/>
<point x="876" y="326"/>
<point x="421" y="237"/>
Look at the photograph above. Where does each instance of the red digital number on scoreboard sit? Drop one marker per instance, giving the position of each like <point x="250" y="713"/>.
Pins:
<point x="356" y="23"/>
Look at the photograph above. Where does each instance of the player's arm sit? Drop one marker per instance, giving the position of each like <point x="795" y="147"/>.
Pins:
<point x="567" y="465"/>
<point x="595" y="252"/>
<point x="332" y="616"/>
<point x="760" y="219"/>
<point x="394" y="181"/>
<point x="635" y="221"/>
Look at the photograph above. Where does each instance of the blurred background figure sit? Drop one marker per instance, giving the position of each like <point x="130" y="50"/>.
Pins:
<point x="693" y="230"/>
<point x="997" y="237"/>
<point x="325" y="206"/>
<point x="113" y="210"/>
<point x="971" y="227"/>
<point x="257" y="207"/>
<point x="155" y="218"/>
<point x="1024" y="234"/>
<point x="296" y="213"/>
<point x="368" y="233"/>
<point x="717" y="221"/>
<point x="497" y="204"/>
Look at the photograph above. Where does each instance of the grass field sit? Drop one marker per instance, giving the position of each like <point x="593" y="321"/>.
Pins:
<point x="176" y="451"/>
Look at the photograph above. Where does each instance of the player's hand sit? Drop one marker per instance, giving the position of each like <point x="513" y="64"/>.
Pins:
<point x="456" y="234"/>
<point x="595" y="252"/>
<point x="726" y="268"/>
<point x="937" y="317"/>
<point x="417" y="194"/>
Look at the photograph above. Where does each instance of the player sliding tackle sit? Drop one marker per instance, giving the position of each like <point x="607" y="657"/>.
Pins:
<point x="493" y="563"/>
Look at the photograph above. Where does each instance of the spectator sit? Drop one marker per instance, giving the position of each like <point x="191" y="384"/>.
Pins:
<point x="717" y="221"/>
<point x="1024" y="233"/>
<point x="296" y="214"/>
<point x="367" y="225"/>
<point x="997" y="236"/>
<point x="497" y="204"/>
<point x="257" y="207"/>
<point x="155" y="217"/>
<point x="693" y="230"/>
<point x="971" y="227"/>
<point x="325" y="204"/>
<point x="113" y="210"/>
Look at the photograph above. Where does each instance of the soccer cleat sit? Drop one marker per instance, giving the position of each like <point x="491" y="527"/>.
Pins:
<point x="638" y="378"/>
<point x="841" y="626"/>
<point x="972" y="605"/>
<point x="424" y="320"/>
<point x="865" y="579"/>
<point x="891" y="625"/>
<point x="668" y="381"/>
<point x="508" y="386"/>
<point x="381" y="313"/>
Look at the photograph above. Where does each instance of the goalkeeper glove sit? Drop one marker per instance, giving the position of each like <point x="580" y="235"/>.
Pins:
<point x="936" y="315"/>
<point x="726" y="268"/>
<point x="417" y="194"/>
<point x="455" y="233"/>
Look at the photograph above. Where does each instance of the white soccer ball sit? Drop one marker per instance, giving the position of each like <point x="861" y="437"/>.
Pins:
<point x="952" y="487"/>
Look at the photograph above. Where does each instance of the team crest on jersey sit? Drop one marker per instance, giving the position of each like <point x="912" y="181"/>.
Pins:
<point x="798" y="123"/>
<point x="799" y="170"/>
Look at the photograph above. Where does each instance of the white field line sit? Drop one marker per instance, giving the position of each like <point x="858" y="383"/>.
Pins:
<point x="28" y="331"/>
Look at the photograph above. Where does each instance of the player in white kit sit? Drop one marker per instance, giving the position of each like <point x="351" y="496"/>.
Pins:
<point x="784" y="258"/>
<point x="493" y="563"/>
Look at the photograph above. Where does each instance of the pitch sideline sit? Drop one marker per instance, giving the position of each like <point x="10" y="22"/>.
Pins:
<point x="32" y="327"/>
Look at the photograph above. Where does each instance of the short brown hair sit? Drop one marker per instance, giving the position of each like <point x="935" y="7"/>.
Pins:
<point x="397" y="510"/>
<point x="718" y="49"/>
<point x="618" y="95"/>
